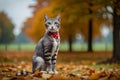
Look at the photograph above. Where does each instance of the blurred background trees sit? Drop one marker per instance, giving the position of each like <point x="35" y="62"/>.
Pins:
<point x="6" y="29"/>
<point x="78" y="17"/>
<point x="82" y="22"/>
<point x="116" y="31"/>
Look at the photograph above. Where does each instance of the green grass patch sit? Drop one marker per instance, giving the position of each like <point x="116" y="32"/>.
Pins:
<point x="63" y="47"/>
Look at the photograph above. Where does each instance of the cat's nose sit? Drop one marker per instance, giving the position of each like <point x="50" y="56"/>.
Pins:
<point x="52" y="27"/>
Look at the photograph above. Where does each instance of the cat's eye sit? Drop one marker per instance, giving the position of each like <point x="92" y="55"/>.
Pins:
<point x="49" y="23"/>
<point x="56" y="23"/>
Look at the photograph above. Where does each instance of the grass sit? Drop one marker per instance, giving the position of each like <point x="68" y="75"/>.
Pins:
<point x="17" y="46"/>
<point x="63" y="47"/>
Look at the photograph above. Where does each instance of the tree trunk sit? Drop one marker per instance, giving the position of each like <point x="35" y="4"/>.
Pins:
<point x="116" y="34"/>
<point x="6" y="47"/>
<point x="90" y="30"/>
<point x="70" y="43"/>
<point x="90" y="36"/>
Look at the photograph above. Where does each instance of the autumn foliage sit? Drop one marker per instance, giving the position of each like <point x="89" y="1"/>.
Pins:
<point x="74" y="17"/>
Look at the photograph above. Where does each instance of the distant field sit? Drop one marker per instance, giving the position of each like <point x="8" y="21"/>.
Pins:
<point x="63" y="47"/>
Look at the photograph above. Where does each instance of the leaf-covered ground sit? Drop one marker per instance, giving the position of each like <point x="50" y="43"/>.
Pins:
<point x="17" y="65"/>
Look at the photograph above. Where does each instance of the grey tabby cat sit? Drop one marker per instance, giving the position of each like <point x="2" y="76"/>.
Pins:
<point x="46" y="50"/>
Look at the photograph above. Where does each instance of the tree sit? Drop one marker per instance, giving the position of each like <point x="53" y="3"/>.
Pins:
<point x="90" y="28"/>
<point x="6" y="29"/>
<point x="115" y="5"/>
<point x="88" y="17"/>
<point x="116" y="32"/>
<point x="37" y="28"/>
<point x="77" y="18"/>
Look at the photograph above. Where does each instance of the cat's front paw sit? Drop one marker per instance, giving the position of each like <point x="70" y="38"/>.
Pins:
<point x="50" y="72"/>
<point x="44" y="72"/>
<point x="55" y="72"/>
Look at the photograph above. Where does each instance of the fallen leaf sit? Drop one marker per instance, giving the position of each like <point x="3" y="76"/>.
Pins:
<point x="5" y="70"/>
<point x="5" y="78"/>
<point x="37" y="73"/>
<point x="29" y="77"/>
<point x="57" y="77"/>
<point x="18" y="78"/>
<point x="1" y="76"/>
<point x="104" y="78"/>
<point x="116" y="74"/>
<point x="71" y="75"/>
<point x="113" y="78"/>
<point x="12" y="69"/>
<point x="46" y="76"/>
<point x="91" y="71"/>
<point x="86" y="77"/>
<point x="95" y="76"/>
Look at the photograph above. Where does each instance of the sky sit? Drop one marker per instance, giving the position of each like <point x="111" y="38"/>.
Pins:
<point x="18" y="11"/>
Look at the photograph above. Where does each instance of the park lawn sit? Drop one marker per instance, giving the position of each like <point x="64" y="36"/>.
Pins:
<point x="63" y="47"/>
<point x="71" y="66"/>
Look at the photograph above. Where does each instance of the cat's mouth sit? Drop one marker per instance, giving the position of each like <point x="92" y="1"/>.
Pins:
<point x="52" y="30"/>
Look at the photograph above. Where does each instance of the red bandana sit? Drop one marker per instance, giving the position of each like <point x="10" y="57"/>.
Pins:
<point x="54" y="35"/>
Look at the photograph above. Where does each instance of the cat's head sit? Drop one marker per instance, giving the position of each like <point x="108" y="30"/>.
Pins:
<point x="52" y="24"/>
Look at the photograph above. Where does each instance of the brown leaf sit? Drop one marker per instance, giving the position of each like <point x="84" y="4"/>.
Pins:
<point x="116" y="74"/>
<point x="37" y="73"/>
<point x="108" y="72"/>
<point x="86" y="77"/>
<point x="71" y="75"/>
<point x="5" y="78"/>
<point x="91" y="71"/>
<point x="1" y="76"/>
<point x="72" y="78"/>
<point x="57" y="77"/>
<point x="29" y="77"/>
<point x="95" y="76"/>
<point x="113" y="78"/>
<point x="5" y="70"/>
<point x="18" y="78"/>
<point x="12" y="69"/>
<point x="104" y="78"/>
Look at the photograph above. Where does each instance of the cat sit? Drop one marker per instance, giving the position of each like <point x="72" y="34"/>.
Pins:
<point x="44" y="58"/>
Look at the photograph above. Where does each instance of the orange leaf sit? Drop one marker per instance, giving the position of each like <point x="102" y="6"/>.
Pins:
<point x="37" y="73"/>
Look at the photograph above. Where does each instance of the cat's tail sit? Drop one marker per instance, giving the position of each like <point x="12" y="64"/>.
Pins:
<point x="37" y="63"/>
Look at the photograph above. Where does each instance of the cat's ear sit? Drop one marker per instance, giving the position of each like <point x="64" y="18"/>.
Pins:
<point x="58" y="17"/>
<point x="46" y="17"/>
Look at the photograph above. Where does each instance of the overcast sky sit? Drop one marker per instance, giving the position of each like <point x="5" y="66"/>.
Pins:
<point x="18" y="11"/>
